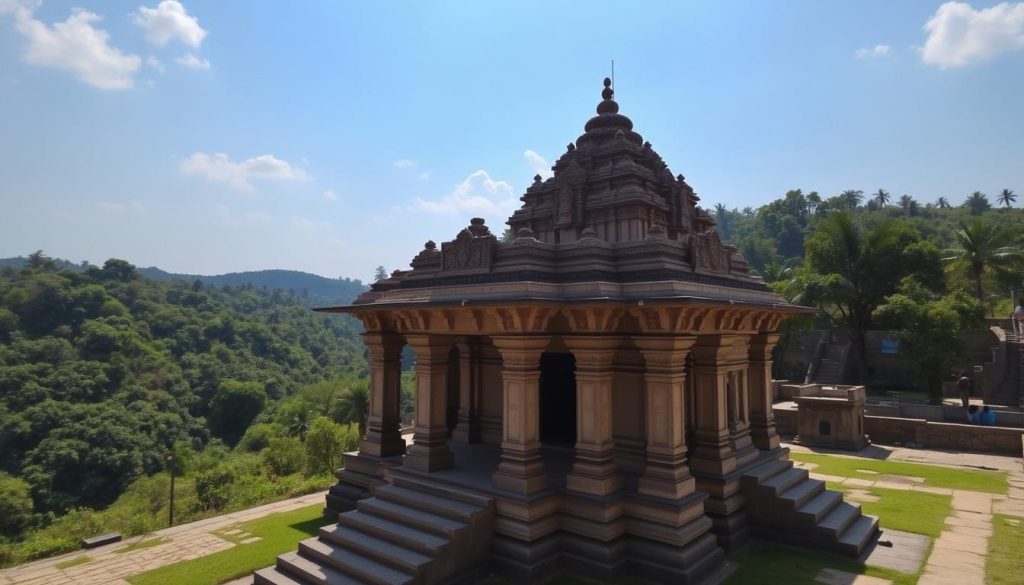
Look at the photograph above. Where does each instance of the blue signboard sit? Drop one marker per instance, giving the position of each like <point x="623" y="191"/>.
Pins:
<point x="890" y="346"/>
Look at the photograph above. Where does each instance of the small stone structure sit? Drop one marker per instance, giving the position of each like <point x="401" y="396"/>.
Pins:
<point x="595" y="393"/>
<point x="831" y="416"/>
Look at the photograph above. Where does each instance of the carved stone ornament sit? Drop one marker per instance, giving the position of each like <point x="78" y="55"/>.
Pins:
<point x="709" y="254"/>
<point x="472" y="249"/>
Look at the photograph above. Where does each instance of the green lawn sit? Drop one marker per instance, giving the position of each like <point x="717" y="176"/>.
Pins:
<point x="993" y="482"/>
<point x="81" y="560"/>
<point x="279" y="533"/>
<point x="139" y="545"/>
<point x="1005" y="564"/>
<point x="909" y="511"/>
<point x="764" y="563"/>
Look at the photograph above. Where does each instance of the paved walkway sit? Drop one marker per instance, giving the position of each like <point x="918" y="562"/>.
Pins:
<point x="187" y="541"/>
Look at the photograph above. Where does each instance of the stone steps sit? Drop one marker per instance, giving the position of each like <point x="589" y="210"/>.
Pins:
<point x="410" y="533"/>
<point x="791" y="505"/>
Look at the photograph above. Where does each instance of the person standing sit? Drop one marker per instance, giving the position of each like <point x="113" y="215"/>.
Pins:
<point x="964" y="386"/>
<point x="1018" y="319"/>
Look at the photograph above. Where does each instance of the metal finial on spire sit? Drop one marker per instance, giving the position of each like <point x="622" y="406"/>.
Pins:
<point x="607" y="92"/>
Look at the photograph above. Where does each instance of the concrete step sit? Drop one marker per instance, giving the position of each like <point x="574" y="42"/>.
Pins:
<point x="352" y="563"/>
<point x="858" y="535"/>
<point x="309" y="572"/>
<point x="839" y="519"/>
<point x="429" y="503"/>
<point x="381" y="551"/>
<point x="763" y="472"/>
<point x="425" y="543"/>
<point x="446" y="492"/>
<point x="781" y="482"/>
<point x="418" y="519"/>
<point x="819" y="506"/>
<point x="802" y="493"/>
<point x="273" y="576"/>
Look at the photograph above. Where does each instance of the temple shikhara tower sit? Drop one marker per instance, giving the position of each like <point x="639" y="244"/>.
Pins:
<point x="594" y="394"/>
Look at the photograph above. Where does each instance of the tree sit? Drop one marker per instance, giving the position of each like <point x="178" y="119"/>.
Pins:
<point x="1007" y="198"/>
<point x="851" y="198"/>
<point x="234" y="407"/>
<point x="38" y="260"/>
<point x="380" y="274"/>
<point x="983" y="249"/>
<point x="298" y="426"/>
<point x="929" y="328"/>
<point x="15" y="505"/>
<point x="908" y="204"/>
<point x="850" y="269"/>
<point x="325" y="443"/>
<point x="882" y="197"/>
<point x="354" y="406"/>
<point x="977" y="202"/>
<point x="116" y="269"/>
<point x="943" y="203"/>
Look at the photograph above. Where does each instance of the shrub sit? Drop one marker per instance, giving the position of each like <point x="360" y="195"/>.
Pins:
<point x="284" y="456"/>
<point x="258" y="436"/>
<point x="15" y="504"/>
<point x="213" y="487"/>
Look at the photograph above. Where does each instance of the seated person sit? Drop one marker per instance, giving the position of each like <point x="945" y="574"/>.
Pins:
<point x="988" y="416"/>
<point x="974" y="415"/>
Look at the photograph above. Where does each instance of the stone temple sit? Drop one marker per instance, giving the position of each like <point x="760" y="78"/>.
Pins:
<point x="593" y="395"/>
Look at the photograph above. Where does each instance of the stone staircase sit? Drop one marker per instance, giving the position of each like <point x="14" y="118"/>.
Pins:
<point x="411" y="532"/>
<point x="784" y="502"/>
<point x="1009" y="391"/>
<point x="830" y="365"/>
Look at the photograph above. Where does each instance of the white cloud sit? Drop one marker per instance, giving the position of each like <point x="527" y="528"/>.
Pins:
<point x="330" y="195"/>
<point x="425" y="176"/>
<point x="75" y="46"/>
<point x="169" y="21"/>
<point x="538" y="164"/>
<point x="219" y="168"/>
<point x="404" y="163"/>
<point x="959" y="35"/>
<point x="477" y="194"/>
<point x="876" y="52"/>
<point x="192" y="62"/>
<point x="155" y="64"/>
<point x="19" y="7"/>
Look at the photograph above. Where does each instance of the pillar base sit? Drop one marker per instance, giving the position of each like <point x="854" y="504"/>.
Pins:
<point x="429" y="459"/>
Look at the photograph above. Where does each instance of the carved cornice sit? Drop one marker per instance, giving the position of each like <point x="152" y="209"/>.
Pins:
<point x="594" y="319"/>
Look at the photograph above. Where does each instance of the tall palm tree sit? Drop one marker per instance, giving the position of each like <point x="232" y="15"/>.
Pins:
<point x="943" y="203"/>
<point x="882" y="197"/>
<point x="907" y="202"/>
<point x="1007" y="197"/>
<point x="983" y="249"/>
<point x="978" y="203"/>
<point x="851" y="198"/>
<point x="354" y="406"/>
<point x="299" y="425"/>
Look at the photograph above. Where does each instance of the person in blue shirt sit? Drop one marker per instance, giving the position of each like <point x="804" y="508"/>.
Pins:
<point x="988" y="416"/>
<point x="974" y="415"/>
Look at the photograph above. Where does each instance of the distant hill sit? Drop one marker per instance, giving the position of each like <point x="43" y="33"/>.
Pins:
<point x="314" y="289"/>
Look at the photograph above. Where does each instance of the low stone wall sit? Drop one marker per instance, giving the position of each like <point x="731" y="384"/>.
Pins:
<point x="917" y="432"/>
<point x="938" y="413"/>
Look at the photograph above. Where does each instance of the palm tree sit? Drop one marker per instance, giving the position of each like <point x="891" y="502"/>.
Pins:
<point x="1007" y="197"/>
<point x="907" y="203"/>
<point x="299" y="424"/>
<point x="983" y="249"/>
<point x="851" y="198"/>
<point x="882" y="197"/>
<point x="978" y="203"/>
<point x="943" y="203"/>
<point x="354" y="406"/>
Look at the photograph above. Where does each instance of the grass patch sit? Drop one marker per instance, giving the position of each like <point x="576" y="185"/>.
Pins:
<point x="993" y="482"/>
<point x="279" y="533"/>
<point x="909" y="511"/>
<point x="1005" y="563"/>
<point x="141" y="544"/>
<point x="80" y="560"/>
<point x="763" y="563"/>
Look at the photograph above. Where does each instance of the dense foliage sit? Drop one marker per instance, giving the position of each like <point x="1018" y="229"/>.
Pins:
<point x="103" y="372"/>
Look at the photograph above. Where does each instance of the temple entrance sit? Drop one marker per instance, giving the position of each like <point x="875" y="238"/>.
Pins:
<point x="558" y="399"/>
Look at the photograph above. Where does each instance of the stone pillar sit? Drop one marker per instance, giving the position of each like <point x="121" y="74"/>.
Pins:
<point x="467" y="429"/>
<point x="593" y="470"/>
<point x="712" y="460"/>
<point x="762" y="421"/>
<point x="429" y="451"/>
<point x="737" y="366"/>
<point x="521" y="469"/>
<point x="665" y="474"/>
<point x="383" y="435"/>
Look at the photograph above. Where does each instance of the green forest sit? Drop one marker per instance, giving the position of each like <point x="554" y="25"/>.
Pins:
<point x="107" y="378"/>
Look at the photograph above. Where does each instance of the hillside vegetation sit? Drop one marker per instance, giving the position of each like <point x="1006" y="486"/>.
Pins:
<point x="105" y="373"/>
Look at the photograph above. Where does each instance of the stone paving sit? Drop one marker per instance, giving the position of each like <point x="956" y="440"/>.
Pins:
<point x="184" y="542"/>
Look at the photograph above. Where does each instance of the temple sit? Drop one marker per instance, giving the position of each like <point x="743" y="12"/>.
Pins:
<point x="593" y="394"/>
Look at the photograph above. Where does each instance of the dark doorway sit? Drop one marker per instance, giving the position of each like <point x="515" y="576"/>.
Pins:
<point x="558" y="399"/>
<point x="452" y="391"/>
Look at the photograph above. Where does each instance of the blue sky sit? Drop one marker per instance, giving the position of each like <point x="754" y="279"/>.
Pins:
<point x="209" y="137"/>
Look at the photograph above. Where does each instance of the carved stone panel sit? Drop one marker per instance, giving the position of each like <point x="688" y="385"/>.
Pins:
<point x="471" y="251"/>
